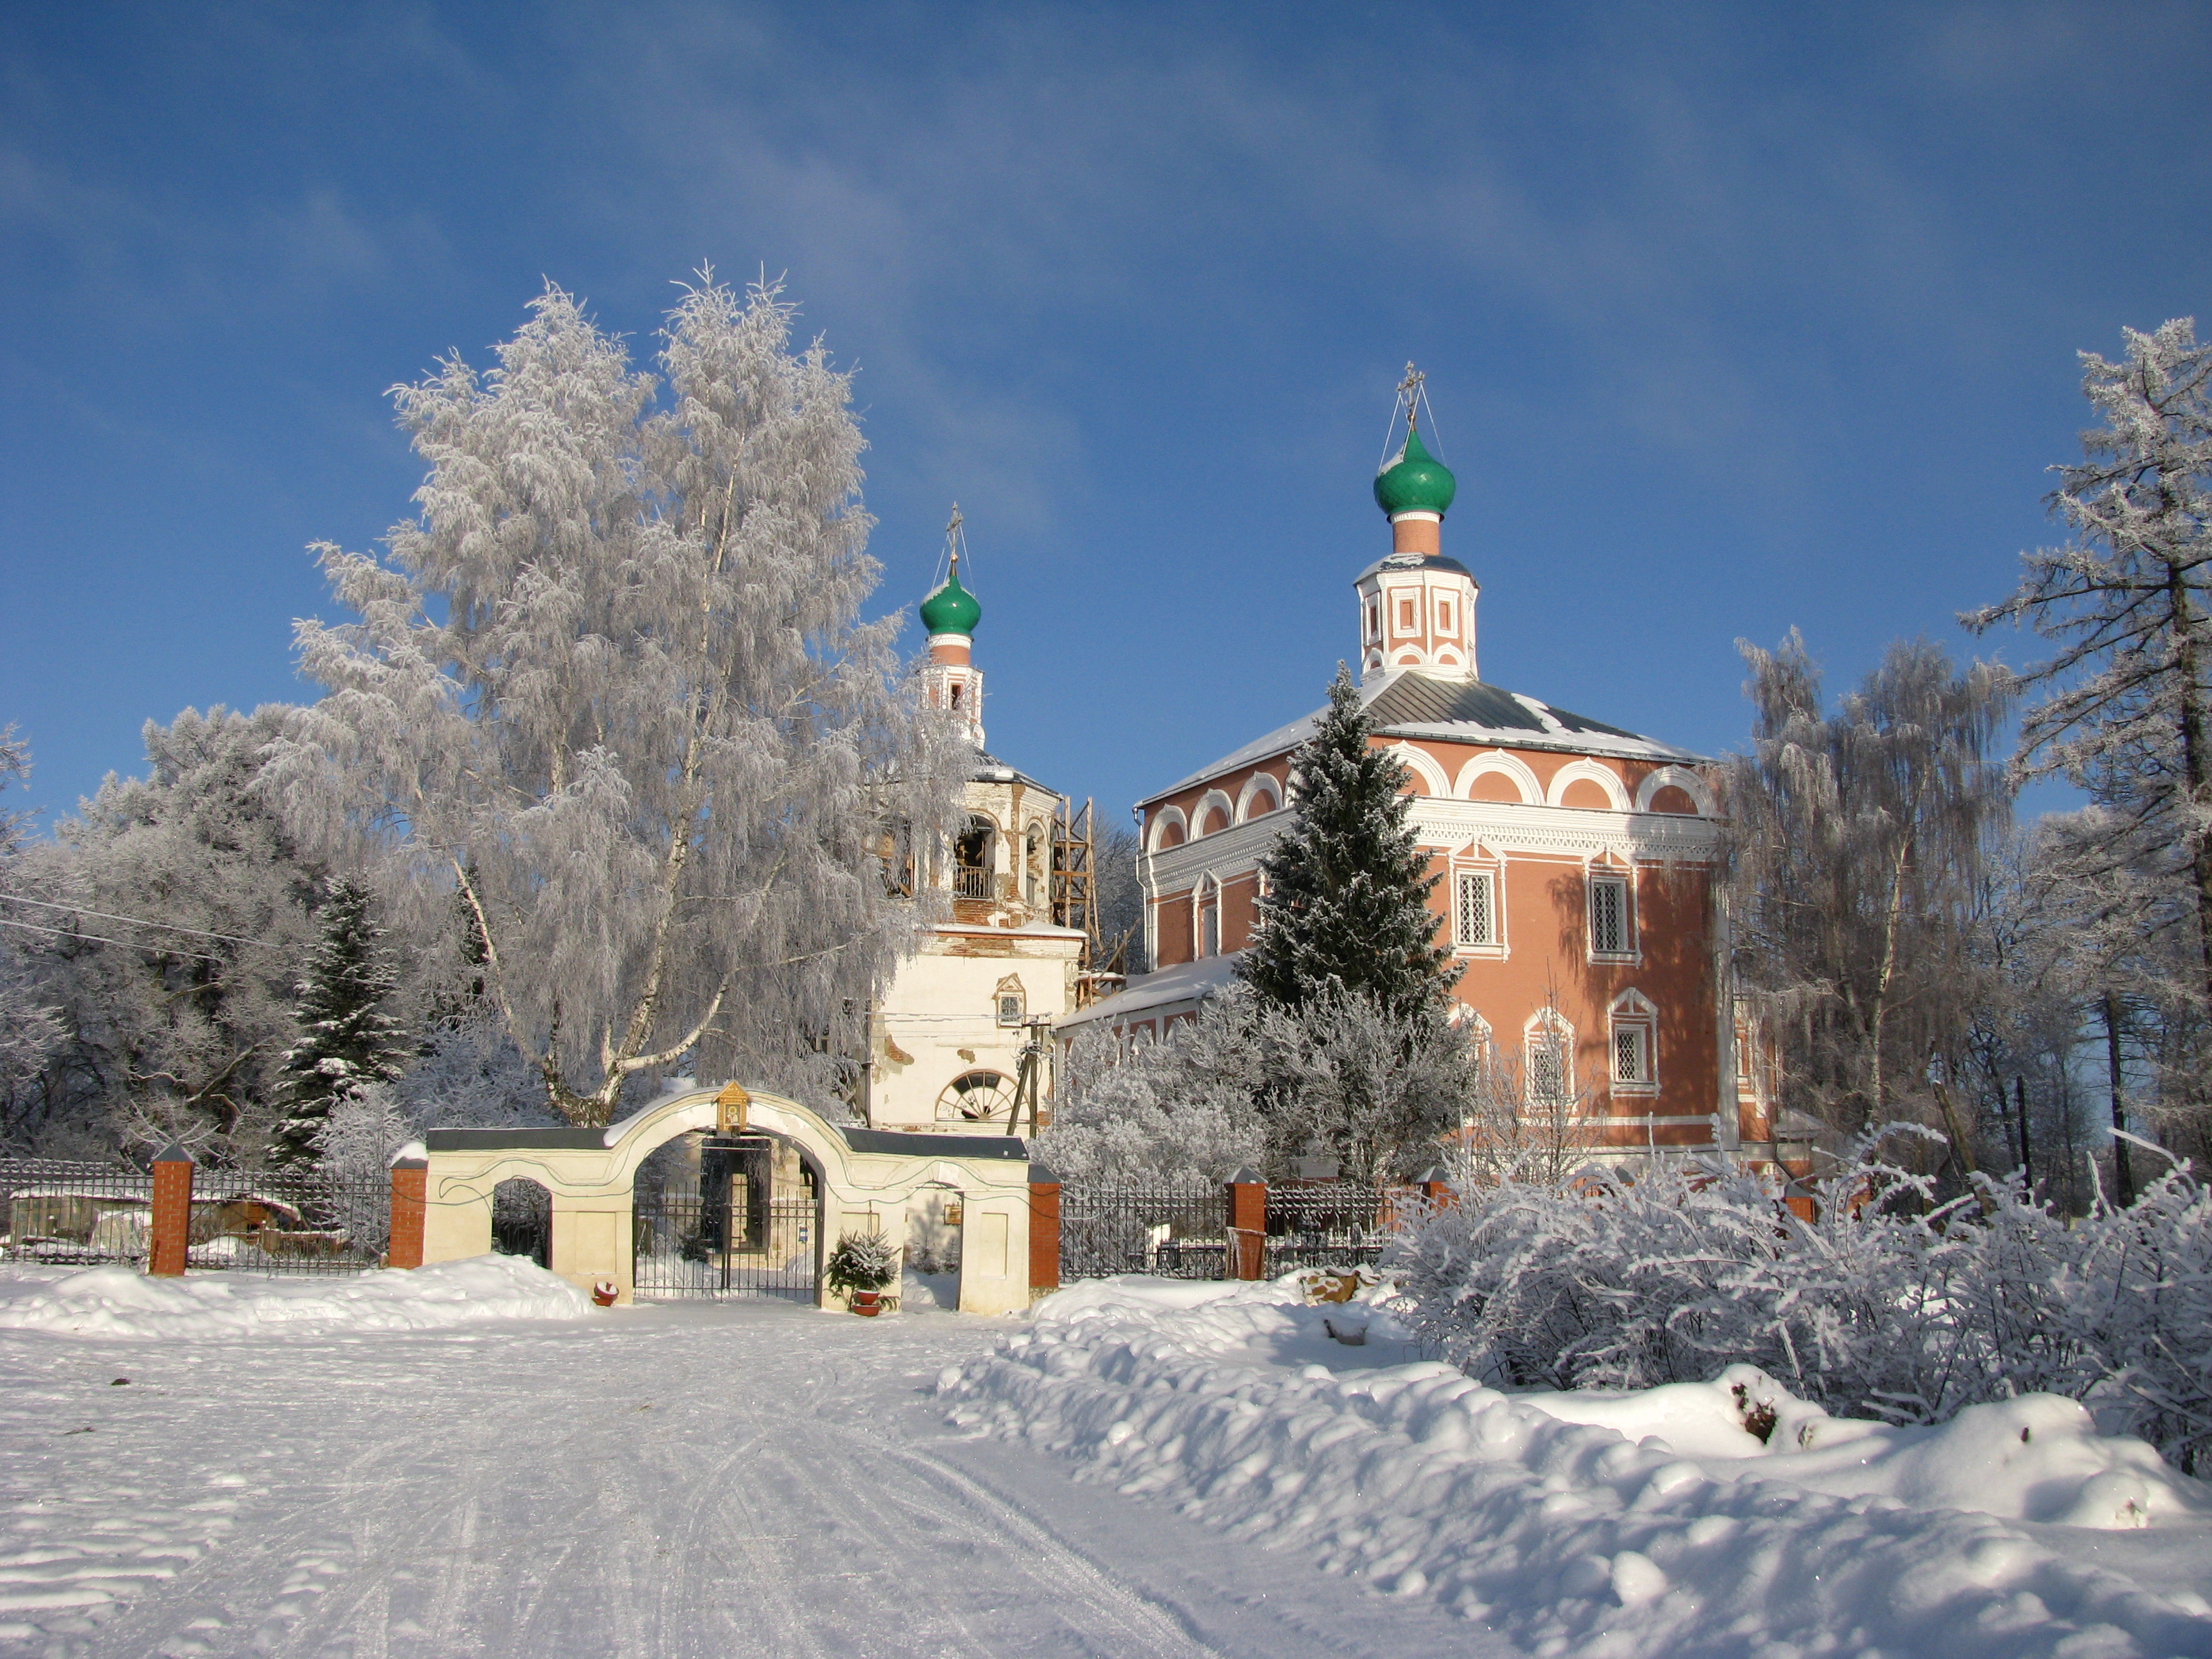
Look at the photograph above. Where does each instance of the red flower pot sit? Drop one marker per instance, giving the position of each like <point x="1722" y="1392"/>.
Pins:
<point x="867" y="1303"/>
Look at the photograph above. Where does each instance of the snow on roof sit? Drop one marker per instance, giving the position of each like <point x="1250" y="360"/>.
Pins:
<point x="1410" y="704"/>
<point x="1189" y="982"/>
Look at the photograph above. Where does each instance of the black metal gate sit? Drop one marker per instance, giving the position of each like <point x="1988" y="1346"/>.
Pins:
<point x="736" y="1234"/>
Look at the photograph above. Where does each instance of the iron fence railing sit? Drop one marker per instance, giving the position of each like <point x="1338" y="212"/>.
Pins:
<point x="971" y="881"/>
<point x="85" y="1214"/>
<point x="1174" y="1232"/>
<point x="1333" y="1223"/>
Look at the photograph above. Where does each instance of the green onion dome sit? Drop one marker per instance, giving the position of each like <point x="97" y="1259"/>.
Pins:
<point x="1414" y="481"/>
<point x="951" y="609"/>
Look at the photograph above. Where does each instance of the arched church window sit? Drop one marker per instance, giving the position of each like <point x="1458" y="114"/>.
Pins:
<point x="1209" y="918"/>
<point x="1548" y="1053"/>
<point x="1035" y="866"/>
<point x="977" y="1096"/>
<point x="972" y="856"/>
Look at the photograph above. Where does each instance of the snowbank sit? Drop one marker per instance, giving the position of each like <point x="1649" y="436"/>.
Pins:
<point x="122" y="1302"/>
<point x="1238" y="1405"/>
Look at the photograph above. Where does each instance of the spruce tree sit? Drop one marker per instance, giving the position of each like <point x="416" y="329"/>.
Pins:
<point x="1348" y="889"/>
<point x="349" y="1040"/>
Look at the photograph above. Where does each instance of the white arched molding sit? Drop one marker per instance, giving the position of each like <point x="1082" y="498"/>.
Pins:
<point x="1682" y="779"/>
<point x="1159" y="827"/>
<point x="1512" y="766"/>
<point x="1427" y="774"/>
<point x="1632" y="1044"/>
<point x="1605" y="777"/>
<point x="1214" y="800"/>
<point x="1260" y="795"/>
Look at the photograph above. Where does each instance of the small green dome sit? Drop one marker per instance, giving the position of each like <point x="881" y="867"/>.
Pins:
<point x="1415" y="481"/>
<point x="951" y="609"/>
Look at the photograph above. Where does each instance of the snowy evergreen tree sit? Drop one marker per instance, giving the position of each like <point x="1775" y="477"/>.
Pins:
<point x="612" y="688"/>
<point x="1346" y="888"/>
<point x="349" y="1039"/>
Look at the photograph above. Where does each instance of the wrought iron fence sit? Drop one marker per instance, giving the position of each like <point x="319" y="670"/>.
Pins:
<point x="1175" y="1232"/>
<point x="1332" y="1223"/>
<point x="76" y="1214"/>
<point x="272" y="1221"/>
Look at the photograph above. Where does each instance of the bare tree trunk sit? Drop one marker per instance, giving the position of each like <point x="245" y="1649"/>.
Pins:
<point x="2195" y="758"/>
<point x="2020" y="1104"/>
<point x="2124" y="1175"/>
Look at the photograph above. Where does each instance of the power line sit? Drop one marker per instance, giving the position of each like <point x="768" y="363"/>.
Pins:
<point x="136" y="922"/>
<point x="102" y="938"/>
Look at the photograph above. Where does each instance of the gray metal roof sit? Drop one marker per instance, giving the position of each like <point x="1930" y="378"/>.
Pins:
<point x="1408" y="703"/>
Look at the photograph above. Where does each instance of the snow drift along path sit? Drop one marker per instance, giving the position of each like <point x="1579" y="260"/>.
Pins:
<point x="1567" y="1537"/>
<point x="674" y="1481"/>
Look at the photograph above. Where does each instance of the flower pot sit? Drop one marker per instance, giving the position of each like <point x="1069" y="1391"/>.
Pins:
<point x="603" y="1293"/>
<point x="867" y="1303"/>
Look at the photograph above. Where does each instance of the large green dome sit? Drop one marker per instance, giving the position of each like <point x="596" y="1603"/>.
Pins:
<point x="1415" y="481"/>
<point x="951" y="609"/>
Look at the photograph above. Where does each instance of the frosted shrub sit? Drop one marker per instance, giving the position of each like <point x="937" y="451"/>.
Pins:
<point x="1889" y="1305"/>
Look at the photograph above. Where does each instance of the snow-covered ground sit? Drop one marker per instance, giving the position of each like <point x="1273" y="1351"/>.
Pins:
<point x="1655" y="1523"/>
<point x="469" y="1460"/>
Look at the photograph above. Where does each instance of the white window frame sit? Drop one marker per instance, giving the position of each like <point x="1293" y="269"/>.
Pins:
<point x="1633" y="1017"/>
<point x="1625" y="881"/>
<point x="1206" y="902"/>
<point x="1488" y="876"/>
<point x="1547" y="1029"/>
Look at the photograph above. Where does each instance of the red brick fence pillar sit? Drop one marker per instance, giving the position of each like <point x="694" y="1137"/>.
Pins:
<point x="171" y="1229"/>
<point x="1044" y="1229"/>
<point x="410" y="1203"/>
<point x="1247" y="1225"/>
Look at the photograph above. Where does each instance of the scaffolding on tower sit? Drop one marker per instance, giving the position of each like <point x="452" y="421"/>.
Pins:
<point x="1075" y="897"/>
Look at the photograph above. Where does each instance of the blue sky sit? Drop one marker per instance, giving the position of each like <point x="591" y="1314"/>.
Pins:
<point x="1735" y="319"/>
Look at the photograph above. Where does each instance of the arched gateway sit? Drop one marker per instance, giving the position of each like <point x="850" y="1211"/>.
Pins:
<point x="780" y="1162"/>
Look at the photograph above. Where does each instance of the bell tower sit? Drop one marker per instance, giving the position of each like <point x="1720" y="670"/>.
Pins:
<point x="949" y="678"/>
<point x="1416" y="607"/>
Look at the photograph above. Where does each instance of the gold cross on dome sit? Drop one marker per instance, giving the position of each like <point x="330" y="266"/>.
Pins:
<point x="1410" y="390"/>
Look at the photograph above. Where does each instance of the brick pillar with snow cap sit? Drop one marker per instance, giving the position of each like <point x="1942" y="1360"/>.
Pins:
<point x="1247" y="1195"/>
<point x="170" y="1224"/>
<point x="410" y="1204"/>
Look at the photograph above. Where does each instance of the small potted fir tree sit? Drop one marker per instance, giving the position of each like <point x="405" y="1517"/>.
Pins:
<point x="860" y="1268"/>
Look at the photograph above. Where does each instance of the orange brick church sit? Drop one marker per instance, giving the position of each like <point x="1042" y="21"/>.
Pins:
<point x="1577" y="862"/>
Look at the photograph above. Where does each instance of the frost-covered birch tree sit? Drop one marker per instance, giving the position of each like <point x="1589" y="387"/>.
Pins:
<point x="611" y="686"/>
<point x="1857" y="846"/>
<point x="2126" y="708"/>
<point x="30" y="1027"/>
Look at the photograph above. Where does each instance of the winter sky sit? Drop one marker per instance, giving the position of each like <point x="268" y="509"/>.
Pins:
<point x="1735" y="319"/>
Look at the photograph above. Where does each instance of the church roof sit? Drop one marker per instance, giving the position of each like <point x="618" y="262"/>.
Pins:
<point x="986" y="768"/>
<point x="1410" y="704"/>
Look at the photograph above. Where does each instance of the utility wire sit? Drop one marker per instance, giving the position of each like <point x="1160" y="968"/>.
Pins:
<point x="102" y="938"/>
<point x="136" y="922"/>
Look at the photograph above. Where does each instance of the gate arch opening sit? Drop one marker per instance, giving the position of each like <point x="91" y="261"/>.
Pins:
<point x="522" y="1219"/>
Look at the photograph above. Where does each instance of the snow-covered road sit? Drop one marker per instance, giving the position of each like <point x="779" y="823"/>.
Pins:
<point x="664" y="1481"/>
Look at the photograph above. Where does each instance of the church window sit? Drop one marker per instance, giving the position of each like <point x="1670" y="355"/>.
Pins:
<point x="956" y="694"/>
<point x="1635" y="1043"/>
<point x="1443" y="615"/>
<point x="1374" y="621"/>
<point x="1012" y="1000"/>
<point x="972" y="858"/>
<point x="1036" y="872"/>
<point x="1474" y="907"/>
<point x="1209" y="918"/>
<point x="1405" y="615"/>
<point x="976" y="1097"/>
<point x="1612" y="922"/>
<point x="1547" y="1048"/>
